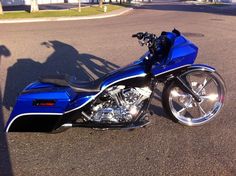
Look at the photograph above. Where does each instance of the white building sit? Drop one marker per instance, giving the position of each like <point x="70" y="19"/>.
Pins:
<point x="27" y="2"/>
<point x="228" y="1"/>
<point x="224" y="1"/>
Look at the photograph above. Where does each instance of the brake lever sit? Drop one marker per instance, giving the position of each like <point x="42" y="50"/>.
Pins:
<point x="141" y="43"/>
<point x="146" y="40"/>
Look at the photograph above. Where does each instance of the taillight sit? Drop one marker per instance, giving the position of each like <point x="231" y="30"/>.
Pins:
<point x="44" y="102"/>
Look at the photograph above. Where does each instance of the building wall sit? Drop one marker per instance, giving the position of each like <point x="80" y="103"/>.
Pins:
<point x="76" y="1"/>
<point x="227" y="1"/>
<point x="27" y="2"/>
<point x="12" y="2"/>
<point x="224" y="1"/>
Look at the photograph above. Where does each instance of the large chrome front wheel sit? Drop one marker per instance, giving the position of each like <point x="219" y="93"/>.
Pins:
<point x="209" y="86"/>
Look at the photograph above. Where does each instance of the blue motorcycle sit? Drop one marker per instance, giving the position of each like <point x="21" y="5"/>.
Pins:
<point x="192" y="95"/>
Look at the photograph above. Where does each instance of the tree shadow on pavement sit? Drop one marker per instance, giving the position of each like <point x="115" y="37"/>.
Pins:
<point x="163" y="6"/>
<point x="5" y="161"/>
<point x="65" y="59"/>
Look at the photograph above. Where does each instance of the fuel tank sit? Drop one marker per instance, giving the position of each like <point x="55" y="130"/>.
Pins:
<point x="128" y="72"/>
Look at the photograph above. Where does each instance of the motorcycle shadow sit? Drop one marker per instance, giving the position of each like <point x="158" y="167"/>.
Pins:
<point x="65" y="59"/>
<point x="156" y="106"/>
<point x="5" y="160"/>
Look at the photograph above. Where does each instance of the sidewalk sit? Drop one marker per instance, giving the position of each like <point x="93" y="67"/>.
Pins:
<point x="100" y="16"/>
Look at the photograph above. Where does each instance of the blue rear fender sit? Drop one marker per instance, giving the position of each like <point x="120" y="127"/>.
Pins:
<point x="41" y="91"/>
<point x="47" y="102"/>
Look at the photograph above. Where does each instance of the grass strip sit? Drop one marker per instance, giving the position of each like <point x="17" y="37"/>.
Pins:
<point x="87" y="11"/>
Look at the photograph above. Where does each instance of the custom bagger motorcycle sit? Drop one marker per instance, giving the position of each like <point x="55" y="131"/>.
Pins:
<point x="192" y="95"/>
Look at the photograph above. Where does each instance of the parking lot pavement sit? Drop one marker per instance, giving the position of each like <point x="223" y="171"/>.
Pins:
<point x="165" y="148"/>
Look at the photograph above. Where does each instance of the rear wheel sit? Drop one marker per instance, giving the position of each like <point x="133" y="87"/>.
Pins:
<point x="183" y="108"/>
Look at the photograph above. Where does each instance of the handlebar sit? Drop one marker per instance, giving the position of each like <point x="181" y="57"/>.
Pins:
<point x="145" y="38"/>
<point x="157" y="46"/>
<point x="148" y="39"/>
<point x="139" y="35"/>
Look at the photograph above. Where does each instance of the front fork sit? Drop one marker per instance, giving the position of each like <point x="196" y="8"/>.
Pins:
<point x="186" y="88"/>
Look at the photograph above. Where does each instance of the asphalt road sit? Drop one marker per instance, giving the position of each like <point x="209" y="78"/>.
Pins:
<point x="93" y="47"/>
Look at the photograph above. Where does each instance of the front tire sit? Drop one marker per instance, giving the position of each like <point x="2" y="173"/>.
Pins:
<point x="183" y="108"/>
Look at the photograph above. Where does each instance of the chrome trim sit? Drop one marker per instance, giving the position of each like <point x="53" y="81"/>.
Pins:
<point x="172" y="69"/>
<point x="202" y="68"/>
<point x="68" y="125"/>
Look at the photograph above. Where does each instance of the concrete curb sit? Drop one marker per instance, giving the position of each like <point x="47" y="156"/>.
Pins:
<point x="32" y="20"/>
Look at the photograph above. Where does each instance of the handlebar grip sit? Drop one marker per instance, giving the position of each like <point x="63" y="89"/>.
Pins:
<point x="139" y="35"/>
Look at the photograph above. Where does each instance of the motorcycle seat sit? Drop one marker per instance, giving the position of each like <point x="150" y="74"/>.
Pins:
<point x="69" y="81"/>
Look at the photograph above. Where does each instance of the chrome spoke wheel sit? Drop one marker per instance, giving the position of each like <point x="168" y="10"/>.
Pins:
<point x="209" y="86"/>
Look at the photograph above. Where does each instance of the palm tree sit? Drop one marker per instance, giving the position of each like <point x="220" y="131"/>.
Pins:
<point x="100" y="3"/>
<point x="1" y="11"/>
<point x="34" y="6"/>
<point x="79" y="7"/>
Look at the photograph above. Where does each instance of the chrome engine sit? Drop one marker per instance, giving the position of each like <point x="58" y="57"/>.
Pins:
<point x="119" y="104"/>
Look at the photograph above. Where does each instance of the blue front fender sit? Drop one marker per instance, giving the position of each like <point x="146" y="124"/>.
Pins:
<point x="202" y="67"/>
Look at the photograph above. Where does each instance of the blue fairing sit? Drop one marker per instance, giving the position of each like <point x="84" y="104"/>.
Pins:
<point x="182" y="53"/>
